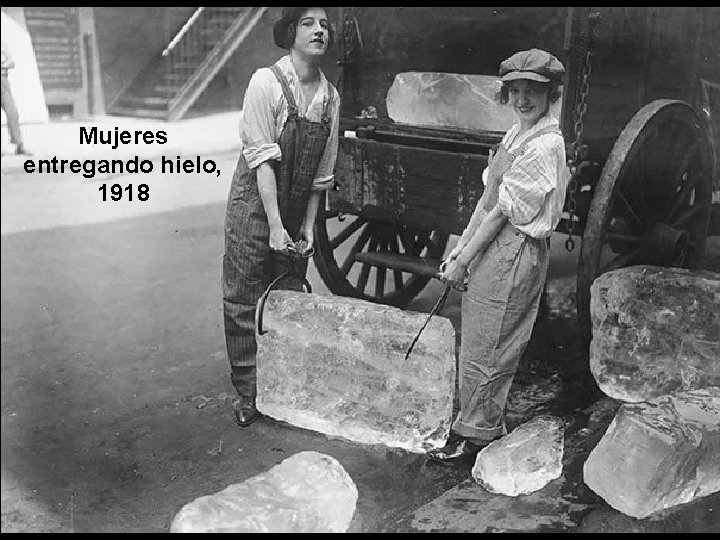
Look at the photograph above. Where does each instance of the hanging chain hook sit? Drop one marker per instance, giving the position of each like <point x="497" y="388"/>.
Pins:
<point x="579" y="151"/>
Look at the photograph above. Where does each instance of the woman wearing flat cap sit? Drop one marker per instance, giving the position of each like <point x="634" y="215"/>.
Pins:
<point x="504" y="250"/>
<point x="289" y="135"/>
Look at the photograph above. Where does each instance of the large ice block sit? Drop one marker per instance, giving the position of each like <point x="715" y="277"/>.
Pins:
<point x="658" y="454"/>
<point x="656" y="331"/>
<point x="337" y="365"/>
<point x="452" y="101"/>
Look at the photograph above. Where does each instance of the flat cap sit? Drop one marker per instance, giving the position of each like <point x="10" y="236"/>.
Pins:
<point x="533" y="64"/>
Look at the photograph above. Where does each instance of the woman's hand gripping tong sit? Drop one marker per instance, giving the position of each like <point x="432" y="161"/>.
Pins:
<point x="295" y="254"/>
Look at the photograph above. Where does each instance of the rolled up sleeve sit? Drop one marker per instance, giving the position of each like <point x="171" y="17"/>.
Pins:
<point x="326" y="168"/>
<point x="526" y="186"/>
<point x="257" y="127"/>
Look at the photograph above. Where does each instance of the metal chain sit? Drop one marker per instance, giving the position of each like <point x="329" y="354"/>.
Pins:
<point x="578" y="150"/>
<point x="348" y="28"/>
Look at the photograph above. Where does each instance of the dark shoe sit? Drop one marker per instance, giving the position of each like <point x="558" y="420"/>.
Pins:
<point x="245" y="411"/>
<point x="455" y="450"/>
<point x="21" y="150"/>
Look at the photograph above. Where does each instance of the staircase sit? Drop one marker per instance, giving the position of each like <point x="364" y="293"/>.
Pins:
<point x="55" y="36"/>
<point x="168" y="86"/>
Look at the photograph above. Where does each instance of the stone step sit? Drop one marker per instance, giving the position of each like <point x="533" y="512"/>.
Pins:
<point x="144" y="101"/>
<point x="141" y="113"/>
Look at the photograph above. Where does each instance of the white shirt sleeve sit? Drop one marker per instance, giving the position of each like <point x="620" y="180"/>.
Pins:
<point x="529" y="182"/>
<point x="325" y="172"/>
<point x="258" y="126"/>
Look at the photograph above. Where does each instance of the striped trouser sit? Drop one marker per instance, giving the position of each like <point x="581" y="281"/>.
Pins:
<point x="498" y="314"/>
<point x="248" y="269"/>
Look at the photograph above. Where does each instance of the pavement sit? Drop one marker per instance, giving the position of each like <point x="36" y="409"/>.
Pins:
<point x="73" y="199"/>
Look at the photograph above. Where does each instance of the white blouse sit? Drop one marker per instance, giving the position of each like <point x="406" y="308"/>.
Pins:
<point x="265" y="111"/>
<point x="532" y="192"/>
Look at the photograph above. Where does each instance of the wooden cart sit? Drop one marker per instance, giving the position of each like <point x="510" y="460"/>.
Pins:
<point x="639" y="114"/>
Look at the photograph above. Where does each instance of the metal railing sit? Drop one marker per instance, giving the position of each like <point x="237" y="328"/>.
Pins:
<point x="198" y="50"/>
<point x="214" y="57"/>
<point x="182" y="31"/>
<point x="183" y="52"/>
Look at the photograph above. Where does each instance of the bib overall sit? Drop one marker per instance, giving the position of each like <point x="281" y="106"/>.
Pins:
<point x="248" y="263"/>
<point x="498" y="313"/>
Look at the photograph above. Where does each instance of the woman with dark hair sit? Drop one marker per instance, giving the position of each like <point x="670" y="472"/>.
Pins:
<point x="289" y="134"/>
<point x="505" y="250"/>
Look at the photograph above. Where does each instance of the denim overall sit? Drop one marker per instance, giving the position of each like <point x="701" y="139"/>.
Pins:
<point x="248" y="264"/>
<point x="498" y="313"/>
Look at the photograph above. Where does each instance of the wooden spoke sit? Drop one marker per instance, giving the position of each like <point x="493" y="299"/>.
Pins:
<point x="397" y="274"/>
<point x="640" y="183"/>
<point x="686" y="216"/>
<point x="430" y="242"/>
<point x="398" y="278"/>
<point x="679" y="199"/>
<point x="680" y="156"/>
<point x="347" y="232"/>
<point x="408" y="243"/>
<point x="422" y="241"/>
<point x="363" y="279"/>
<point x="365" y="272"/>
<point x="359" y="244"/>
<point x="380" y="278"/>
<point x="630" y="210"/>
<point x="687" y="158"/>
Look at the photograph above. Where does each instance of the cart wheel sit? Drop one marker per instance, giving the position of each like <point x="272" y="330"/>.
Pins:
<point x="357" y="235"/>
<point x="652" y="202"/>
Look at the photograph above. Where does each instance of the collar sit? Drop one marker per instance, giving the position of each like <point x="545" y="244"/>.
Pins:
<point x="512" y="140"/>
<point x="288" y="69"/>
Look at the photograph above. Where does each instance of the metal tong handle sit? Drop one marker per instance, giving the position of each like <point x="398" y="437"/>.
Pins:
<point x="438" y="306"/>
<point x="260" y="308"/>
<point x="435" y="310"/>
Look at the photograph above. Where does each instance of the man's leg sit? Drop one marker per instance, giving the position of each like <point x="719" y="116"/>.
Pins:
<point x="8" y="104"/>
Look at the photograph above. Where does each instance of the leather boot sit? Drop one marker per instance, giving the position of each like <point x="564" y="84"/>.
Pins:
<point x="244" y="380"/>
<point x="455" y="450"/>
<point x="244" y="410"/>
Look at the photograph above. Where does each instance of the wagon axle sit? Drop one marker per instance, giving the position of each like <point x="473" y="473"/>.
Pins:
<point x="665" y="244"/>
